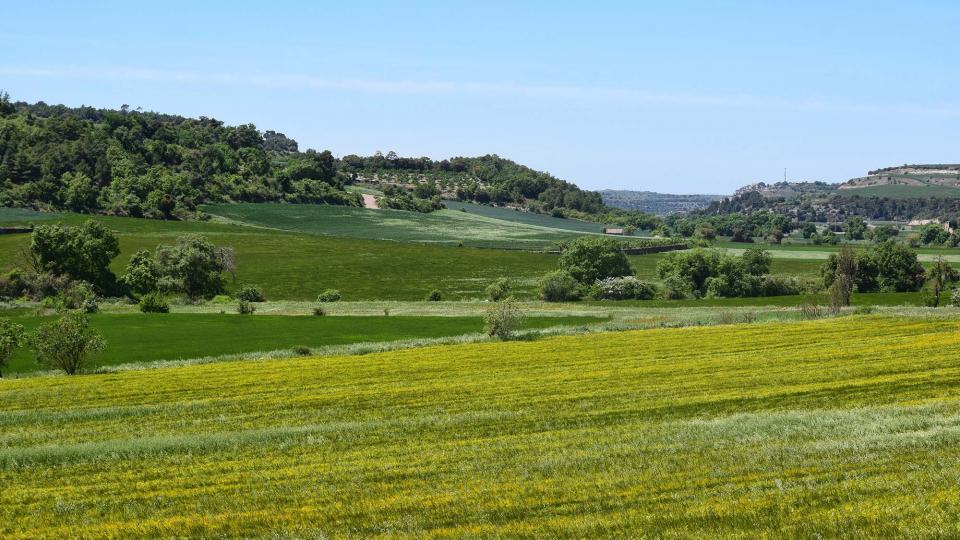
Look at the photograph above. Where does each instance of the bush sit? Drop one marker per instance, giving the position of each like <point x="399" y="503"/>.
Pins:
<point x="955" y="298"/>
<point x="245" y="308"/>
<point x="329" y="295"/>
<point x="221" y="299"/>
<point x="67" y="343"/>
<point x="502" y="319"/>
<point x="302" y="350"/>
<point x="251" y="293"/>
<point x="11" y="337"/>
<point x="559" y="286"/>
<point x="154" y="303"/>
<point x="623" y="288"/>
<point x="498" y="290"/>
<point x="319" y="311"/>
<point x="435" y="296"/>
<point x="810" y="309"/>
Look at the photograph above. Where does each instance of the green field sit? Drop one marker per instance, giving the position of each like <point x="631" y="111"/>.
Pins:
<point x="444" y="227"/>
<point x="837" y="428"/>
<point x="298" y="266"/>
<point x="133" y="338"/>
<point x="526" y="218"/>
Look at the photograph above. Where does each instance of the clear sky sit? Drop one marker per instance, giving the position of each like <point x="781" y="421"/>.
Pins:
<point x="674" y="96"/>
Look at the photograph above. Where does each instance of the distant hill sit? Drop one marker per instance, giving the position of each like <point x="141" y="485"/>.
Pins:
<point x="891" y="193"/>
<point x="655" y="203"/>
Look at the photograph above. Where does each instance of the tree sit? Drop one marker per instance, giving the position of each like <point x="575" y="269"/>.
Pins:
<point x="11" y="337"/>
<point x="757" y="261"/>
<point x="934" y="233"/>
<point x="498" y="290"/>
<point x="809" y="229"/>
<point x="81" y="195"/>
<point x="898" y="267"/>
<point x="940" y="274"/>
<point x="845" y="274"/>
<point x="882" y="233"/>
<point x="558" y="286"/>
<point x="142" y="274"/>
<point x="855" y="228"/>
<point x="192" y="266"/>
<point x="83" y="252"/>
<point x="590" y="259"/>
<point x="67" y="343"/>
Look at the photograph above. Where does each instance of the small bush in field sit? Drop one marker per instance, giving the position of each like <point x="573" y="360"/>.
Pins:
<point x="623" y="288"/>
<point x="329" y="295"/>
<point x="154" y="303"/>
<point x="559" y="286"/>
<point x="251" y="293"/>
<point x="435" y="296"/>
<point x="245" y="308"/>
<point x="302" y="351"/>
<point x="498" y="290"/>
<point x="503" y="319"/>
<point x="319" y="311"/>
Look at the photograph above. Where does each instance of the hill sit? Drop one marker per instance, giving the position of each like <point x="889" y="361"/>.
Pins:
<point x="655" y="203"/>
<point x="663" y="433"/>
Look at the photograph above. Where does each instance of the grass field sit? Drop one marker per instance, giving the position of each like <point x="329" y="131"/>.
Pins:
<point x="298" y="266"/>
<point x="841" y="428"/>
<point x="526" y="218"/>
<point x="133" y="338"/>
<point x="445" y="227"/>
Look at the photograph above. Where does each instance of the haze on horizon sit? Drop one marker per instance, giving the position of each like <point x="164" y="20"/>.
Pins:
<point x="676" y="98"/>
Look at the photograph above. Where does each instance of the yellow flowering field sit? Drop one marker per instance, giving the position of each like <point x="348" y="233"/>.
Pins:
<point x="838" y="427"/>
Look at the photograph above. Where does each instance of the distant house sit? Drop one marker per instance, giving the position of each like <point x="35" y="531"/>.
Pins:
<point x="611" y="230"/>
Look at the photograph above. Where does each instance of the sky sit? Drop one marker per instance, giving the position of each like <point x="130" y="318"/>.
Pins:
<point x="677" y="97"/>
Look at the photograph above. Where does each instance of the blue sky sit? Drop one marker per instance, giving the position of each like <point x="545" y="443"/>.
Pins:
<point x="680" y="96"/>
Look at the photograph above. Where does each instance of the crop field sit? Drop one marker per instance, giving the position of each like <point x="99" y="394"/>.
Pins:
<point x="904" y="191"/>
<point x="527" y="218"/>
<point x="298" y="266"/>
<point x="842" y="427"/>
<point x="445" y="227"/>
<point x="133" y="338"/>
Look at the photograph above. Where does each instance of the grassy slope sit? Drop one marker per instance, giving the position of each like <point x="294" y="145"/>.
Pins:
<point x="143" y="338"/>
<point x="446" y="227"/>
<point x="902" y="191"/>
<point x="676" y="432"/>
<point x="527" y="218"/>
<point x="299" y="266"/>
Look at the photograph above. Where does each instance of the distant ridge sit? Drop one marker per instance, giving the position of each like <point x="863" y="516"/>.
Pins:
<point x="656" y="203"/>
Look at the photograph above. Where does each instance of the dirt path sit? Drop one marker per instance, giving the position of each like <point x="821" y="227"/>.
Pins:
<point x="369" y="201"/>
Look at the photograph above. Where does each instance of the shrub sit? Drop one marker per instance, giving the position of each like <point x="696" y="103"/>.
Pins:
<point x="810" y="309"/>
<point x="498" y="290"/>
<point x="302" y="350"/>
<point x="955" y="298"/>
<point x="623" y="288"/>
<point x="319" y="311"/>
<point x="245" y="308"/>
<point x="67" y="343"/>
<point x="154" y="303"/>
<point x="558" y="286"/>
<point x="502" y="319"/>
<point x="221" y="299"/>
<point x="676" y="288"/>
<point x="329" y="295"/>
<point x="11" y="337"/>
<point x="863" y="310"/>
<point x="251" y="293"/>
<point x="435" y="296"/>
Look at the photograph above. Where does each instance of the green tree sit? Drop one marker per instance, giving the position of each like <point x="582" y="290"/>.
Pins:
<point x="940" y="274"/>
<point x="809" y="229"/>
<point x="81" y="195"/>
<point x="855" y="228"/>
<point x="898" y="267"/>
<point x="192" y="266"/>
<point x="11" y="337"/>
<point x="845" y="273"/>
<point x="83" y="252"/>
<point x="502" y="319"/>
<point x="933" y="234"/>
<point x="590" y="259"/>
<point x="142" y="273"/>
<point x="67" y="343"/>
<point x="882" y="233"/>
